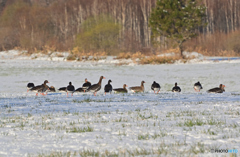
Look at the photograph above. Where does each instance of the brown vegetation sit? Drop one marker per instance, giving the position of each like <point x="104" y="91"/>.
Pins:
<point x="54" y="25"/>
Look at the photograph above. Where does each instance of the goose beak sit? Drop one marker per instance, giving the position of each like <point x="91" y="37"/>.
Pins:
<point x="126" y="85"/>
<point x="104" y="77"/>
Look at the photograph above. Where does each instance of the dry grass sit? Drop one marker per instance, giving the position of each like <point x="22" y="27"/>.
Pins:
<point x="78" y="55"/>
<point x="159" y="60"/>
<point x="140" y="58"/>
<point x="216" y="44"/>
<point x="123" y="55"/>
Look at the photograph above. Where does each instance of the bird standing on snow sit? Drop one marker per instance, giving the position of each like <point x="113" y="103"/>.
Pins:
<point x="155" y="87"/>
<point x="96" y="87"/>
<point x="219" y="89"/>
<point x="108" y="87"/>
<point x="197" y="86"/>
<point x="70" y="88"/>
<point x="29" y="86"/>
<point x="86" y="85"/>
<point x="137" y="89"/>
<point x="176" y="88"/>
<point x="121" y="90"/>
<point x="40" y="88"/>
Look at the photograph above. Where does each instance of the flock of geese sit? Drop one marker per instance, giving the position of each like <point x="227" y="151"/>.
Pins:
<point x="94" y="88"/>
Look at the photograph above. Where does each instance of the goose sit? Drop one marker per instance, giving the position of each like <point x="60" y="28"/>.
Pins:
<point x="96" y="87"/>
<point x="108" y="87"/>
<point x="121" y="90"/>
<point x="40" y="88"/>
<point x="30" y="86"/>
<point x="86" y="85"/>
<point x="70" y="88"/>
<point x="197" y="86"/>
<point x="79" y="90"/>
<point x="52" y="89"/>
<point x="137" y="89"/>
<point x="219" y="89"/>
<point x="176" y="88"/>
<point x="155" y="87"/>
<point x="62" y="89"/>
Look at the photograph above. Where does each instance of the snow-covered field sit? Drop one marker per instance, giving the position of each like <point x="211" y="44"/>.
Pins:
<point x="146" y="124"/>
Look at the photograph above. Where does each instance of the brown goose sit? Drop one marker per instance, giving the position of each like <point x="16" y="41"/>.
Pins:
<point x="219" y="89"/>
<point x="40" y="88"/>
<point x="137" y="89"/>
<point x="96" y="87"/>
<point x="51" y="89"/>
<point x="121" y="90"/>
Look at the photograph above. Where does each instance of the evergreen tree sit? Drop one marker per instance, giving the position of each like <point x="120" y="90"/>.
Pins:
<point x="177" y="20"/>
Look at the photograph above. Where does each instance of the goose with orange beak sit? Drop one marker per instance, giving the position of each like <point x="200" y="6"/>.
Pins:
<point x="138" y="89"/>
<point x="40" y="88"/>
<point x="219" y="89"/>
<point x="96" y="87"/>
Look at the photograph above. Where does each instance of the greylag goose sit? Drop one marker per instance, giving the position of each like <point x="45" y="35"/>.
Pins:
<point x="121" y="90"/>
<point x="52" y="89"/>
<point x="96" y="87"/>
<point x="155" y="87"/>
<point x="79" y="90"/>
<point x="40" y="88"/>
<point x="197" y="86"/>
<point x="176" y="88"/>
<point x="108" y="87"/>
<point x="219" y="89"/>
<point x="137" y="89"/>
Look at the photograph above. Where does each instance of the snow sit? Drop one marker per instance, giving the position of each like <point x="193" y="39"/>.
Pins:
<point x="146" y="124"/>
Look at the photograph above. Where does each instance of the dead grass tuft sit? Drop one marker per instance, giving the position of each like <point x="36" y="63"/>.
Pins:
<point x="159" y="59"/>
<point x="78" y="55"/>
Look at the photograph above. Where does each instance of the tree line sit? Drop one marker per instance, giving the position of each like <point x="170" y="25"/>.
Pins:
<point x="37" y="25"/>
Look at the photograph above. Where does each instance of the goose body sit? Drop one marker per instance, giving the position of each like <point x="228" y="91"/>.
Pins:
<point x="219" y="89"/>
<point x="40" y="88"/>
<point x="79" y="90"/>
<point x="52" y="89"/>
<point x="30" y="86"/>
<point x="62" y="89"/>
<point x="155" y="87"/>
<point x="137" y="89"/>
<point x="197" y="86"/>
<point x="70" y="88"/>
<point x="96" y="87"/>
<point x="108" y="87"/>
<point x="176" y="88"/>
<point x="86" y="85"/>
<point x="121" y="90"/>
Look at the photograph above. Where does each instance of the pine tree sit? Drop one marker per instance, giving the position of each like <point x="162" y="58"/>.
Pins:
<point x="177" y="20"/>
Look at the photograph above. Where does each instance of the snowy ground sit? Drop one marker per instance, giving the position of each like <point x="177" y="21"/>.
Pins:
<point x="147" y="124"/>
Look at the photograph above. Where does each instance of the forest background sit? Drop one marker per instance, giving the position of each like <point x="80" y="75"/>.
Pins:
<point x="110" y="27"/>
